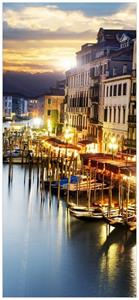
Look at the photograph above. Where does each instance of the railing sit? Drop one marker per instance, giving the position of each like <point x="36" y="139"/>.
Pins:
<point x="77" y="109"/>
<point x="94" y="98"/>
<point x="131" y="119"/>
<point x="94" y="120"/>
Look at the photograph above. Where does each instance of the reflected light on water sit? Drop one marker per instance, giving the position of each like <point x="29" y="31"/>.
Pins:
<point x="133" y="267"/>
<point x="59" y="227"/>
<point x="53" y="254"/>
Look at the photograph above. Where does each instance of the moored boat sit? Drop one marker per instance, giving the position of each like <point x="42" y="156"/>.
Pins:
<point x="62" y="182"/>
<point x="92" y="208"/>
<point x="84" y="186"/>
<point x="86" y="215"/>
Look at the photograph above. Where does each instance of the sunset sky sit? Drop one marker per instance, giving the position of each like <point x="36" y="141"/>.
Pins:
<point x="43" y="37"/>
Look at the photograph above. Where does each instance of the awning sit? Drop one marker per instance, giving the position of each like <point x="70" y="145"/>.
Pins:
<point x="87" y="142"/>
<point x="58" y="143"/>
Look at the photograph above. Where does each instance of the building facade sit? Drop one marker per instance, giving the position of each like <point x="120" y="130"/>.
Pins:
<point x="7" y="106"/>
<point x="20" y="106"/>
<point x="109" y="57"/>
<point x="53" y="112"/>
<point x="116" y="103"/>
<point x="130" y="142"/>
<point x="77" y="93"/>
<point x="33" y="107"/>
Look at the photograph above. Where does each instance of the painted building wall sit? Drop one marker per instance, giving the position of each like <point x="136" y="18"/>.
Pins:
<point x="116" y="104"/>
<point x="52" y="111"/>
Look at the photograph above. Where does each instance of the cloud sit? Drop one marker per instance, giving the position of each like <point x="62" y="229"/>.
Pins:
<point x="49" y="20"/>
<point x="42" y="57"/>
<point x="44" y="34"/>
<point x="39" y="37"/>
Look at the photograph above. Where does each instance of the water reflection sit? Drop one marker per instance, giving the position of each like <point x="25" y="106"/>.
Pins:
<point x="53" y="253"/>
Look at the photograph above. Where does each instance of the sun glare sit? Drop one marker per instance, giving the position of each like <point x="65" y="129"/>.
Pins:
<point x="66" y="63"/>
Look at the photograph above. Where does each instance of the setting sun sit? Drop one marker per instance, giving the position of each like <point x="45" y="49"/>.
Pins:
<point x="66" y="63"/>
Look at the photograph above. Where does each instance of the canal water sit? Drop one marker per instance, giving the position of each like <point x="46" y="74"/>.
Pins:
<point x="48" y="253"/>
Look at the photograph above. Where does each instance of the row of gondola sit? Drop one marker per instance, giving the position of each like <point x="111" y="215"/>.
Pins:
<point x="82" y="183"/>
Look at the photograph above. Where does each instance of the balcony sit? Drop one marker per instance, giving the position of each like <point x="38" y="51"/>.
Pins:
<point x="94" y="99"/>
<point x="130" y="143"/>
<point x="132" y="119"/>
<point x="94" y="120"/>
<point x="93" y="75"/>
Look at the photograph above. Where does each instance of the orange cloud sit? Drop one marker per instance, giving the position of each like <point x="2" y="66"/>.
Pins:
<point x="43" y="38"/>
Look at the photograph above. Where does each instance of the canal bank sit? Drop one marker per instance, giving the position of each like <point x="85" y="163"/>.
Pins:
<point x="54" y="254"/>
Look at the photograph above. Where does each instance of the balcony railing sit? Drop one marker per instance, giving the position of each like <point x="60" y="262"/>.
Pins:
<point x="130" y="143"/>
<point x="94" y="98"/>
<point x="94" y="120"/>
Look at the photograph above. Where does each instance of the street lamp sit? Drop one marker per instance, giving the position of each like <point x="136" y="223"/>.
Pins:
<point x="113" y="146"/>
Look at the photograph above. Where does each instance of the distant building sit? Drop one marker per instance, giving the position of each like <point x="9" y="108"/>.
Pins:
<point x="7" y="106"/>
<point x="60" y="84"/>
<point x="53" y="112"/>
<point x="19" y="106"/>
<point x="33" y="107"/>
<point x="25" y="107"/>
<point x="58" y="91"/>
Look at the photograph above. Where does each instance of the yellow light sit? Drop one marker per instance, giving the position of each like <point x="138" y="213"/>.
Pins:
<point x="66" y="63"/>
<point x="68" y="134"/>
<point x="37" y="122"/>
<point x="134" y="158"/>
<point x="49" y="126"/>
<point x="75" y="153"/>
<point x="113" y="140"/>
<point x="112" y="144"/>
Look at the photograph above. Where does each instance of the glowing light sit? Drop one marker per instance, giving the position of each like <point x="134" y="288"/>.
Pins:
<point x="92" y="148"/>
<point x="113" y="146"/>
<point x="37" y="122"/>
<point x="68" y="134"/>
<point x="49" y="126"/>
<point x="66" y="63"/>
